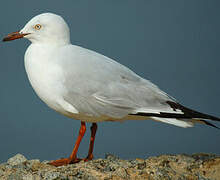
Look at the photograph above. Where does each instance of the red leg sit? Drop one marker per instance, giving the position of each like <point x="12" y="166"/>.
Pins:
<point x="92" y="139"/>
<point x="72" y="158"/>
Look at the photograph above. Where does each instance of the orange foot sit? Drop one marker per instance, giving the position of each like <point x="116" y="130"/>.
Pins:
<point x="64" y="161"/>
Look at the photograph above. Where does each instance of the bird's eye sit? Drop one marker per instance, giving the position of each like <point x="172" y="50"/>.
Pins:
<point x="37" y="26"/>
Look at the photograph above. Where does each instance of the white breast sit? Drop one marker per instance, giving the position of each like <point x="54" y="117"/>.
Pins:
<point x="46" y="77"/>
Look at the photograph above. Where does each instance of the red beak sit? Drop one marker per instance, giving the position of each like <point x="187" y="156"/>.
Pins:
<point x="14" y="35"/>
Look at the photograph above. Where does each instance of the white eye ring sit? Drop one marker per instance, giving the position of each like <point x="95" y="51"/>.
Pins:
<point x="37" y="26"/>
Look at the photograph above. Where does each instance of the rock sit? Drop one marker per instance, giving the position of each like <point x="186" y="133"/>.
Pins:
<point x="17" y="159"/>
<point x="167" y="167"/>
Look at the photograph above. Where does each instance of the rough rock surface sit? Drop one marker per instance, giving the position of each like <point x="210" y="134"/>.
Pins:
<point x="165" y="167"/>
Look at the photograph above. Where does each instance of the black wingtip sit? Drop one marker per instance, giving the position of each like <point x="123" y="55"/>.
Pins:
<point x="189" y="113"/>
<point x="210" y="124"/>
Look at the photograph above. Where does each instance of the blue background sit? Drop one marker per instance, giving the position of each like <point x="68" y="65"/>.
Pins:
<point x="174" y="43"/>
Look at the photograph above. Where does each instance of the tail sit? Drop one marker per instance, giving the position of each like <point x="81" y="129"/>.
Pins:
<point x="186" y="118"/>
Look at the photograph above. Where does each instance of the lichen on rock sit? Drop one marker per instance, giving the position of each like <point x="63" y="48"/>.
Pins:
<point x="167" y="167"/>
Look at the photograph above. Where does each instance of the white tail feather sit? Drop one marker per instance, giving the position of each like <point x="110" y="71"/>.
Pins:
<point x="176" y="122"/>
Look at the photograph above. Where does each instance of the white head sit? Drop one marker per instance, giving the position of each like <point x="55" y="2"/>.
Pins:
<point x="44" y="28"/>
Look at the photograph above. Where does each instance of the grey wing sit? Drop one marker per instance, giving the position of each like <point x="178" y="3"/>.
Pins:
<point x="119" y="100"/>
<point x="99" y="86"/>
<point x="136" y="97"/>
